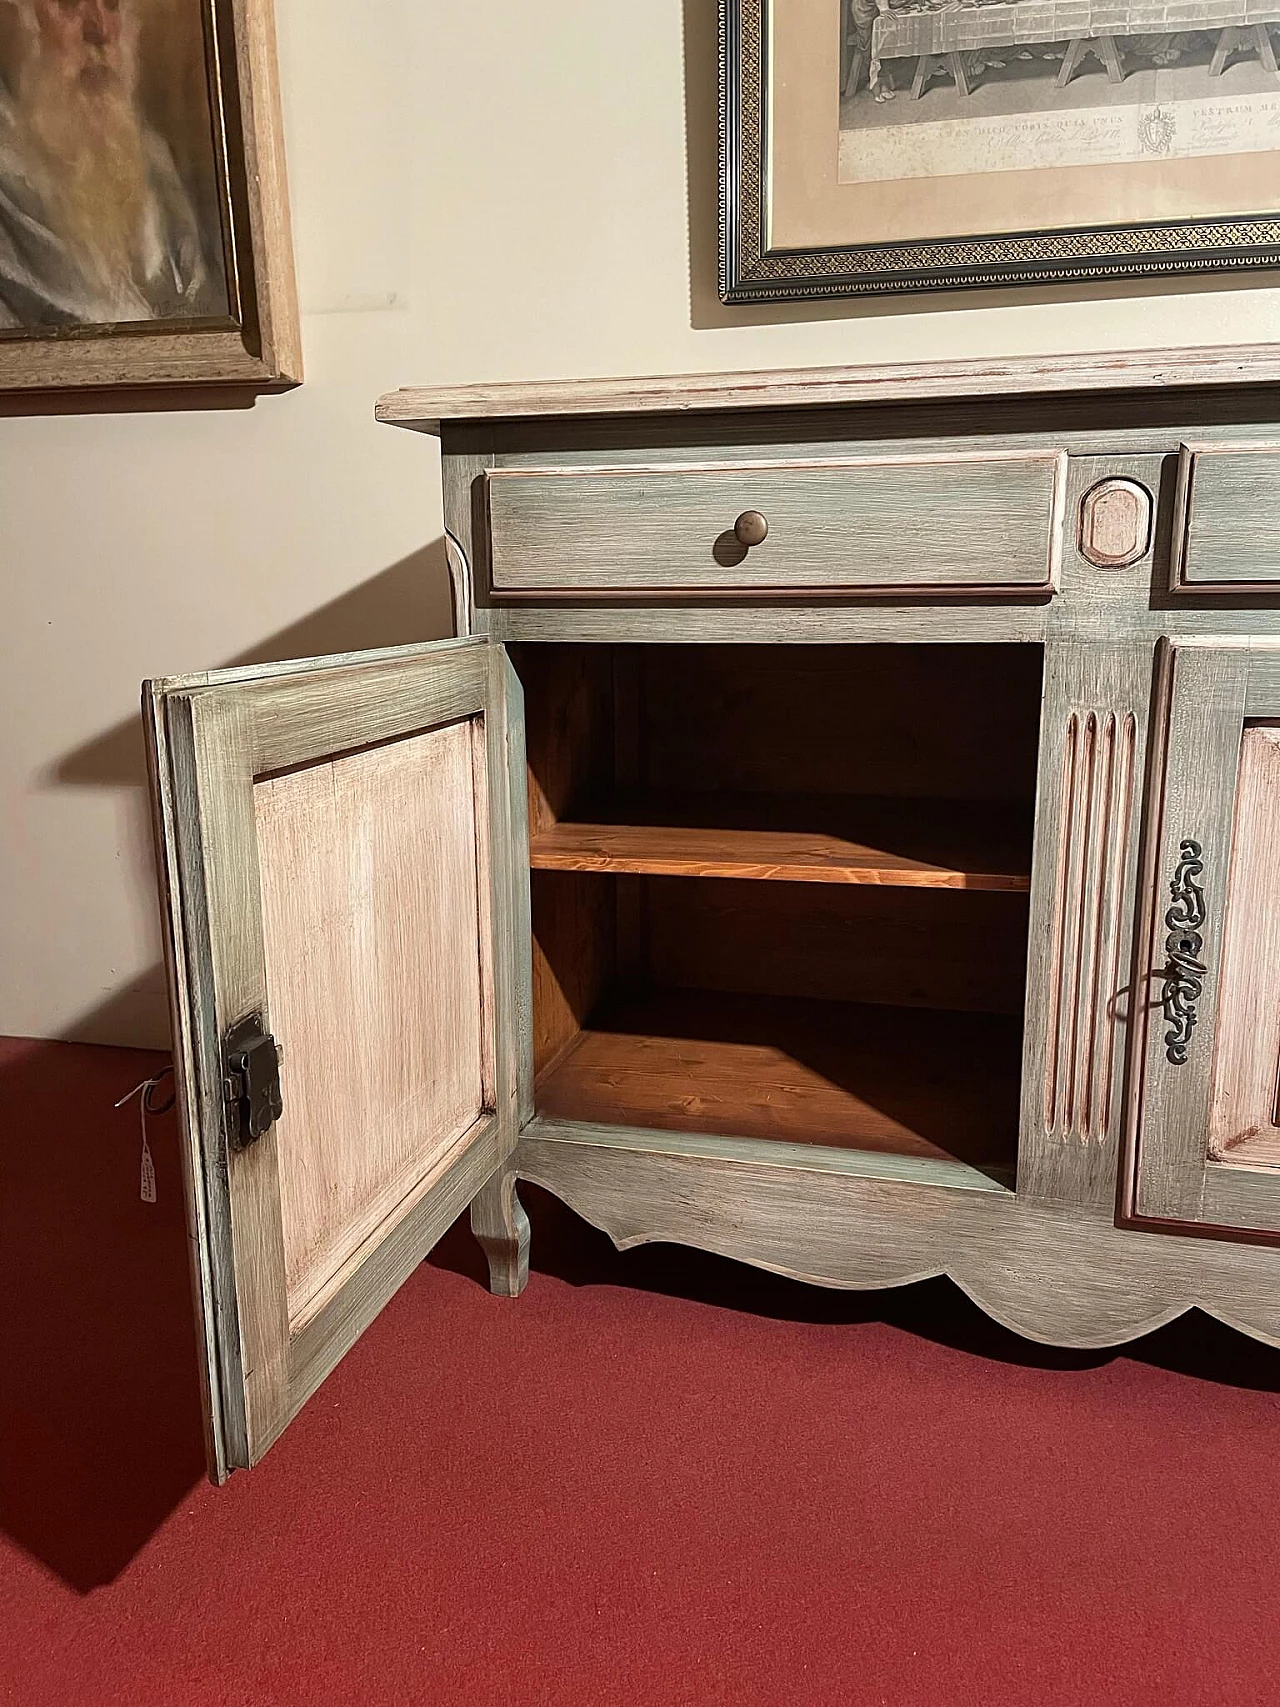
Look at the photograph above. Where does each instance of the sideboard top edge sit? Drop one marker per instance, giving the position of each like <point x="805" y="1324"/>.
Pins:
<point x="426" y="408"/>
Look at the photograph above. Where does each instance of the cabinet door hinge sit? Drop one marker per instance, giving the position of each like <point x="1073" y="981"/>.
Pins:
<point x="251" y="1084"/>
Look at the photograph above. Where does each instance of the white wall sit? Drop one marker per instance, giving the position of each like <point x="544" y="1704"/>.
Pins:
<point x="482" y="189"/>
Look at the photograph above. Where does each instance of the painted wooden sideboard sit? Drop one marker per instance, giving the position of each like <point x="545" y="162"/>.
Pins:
<point x="842" y="836"/>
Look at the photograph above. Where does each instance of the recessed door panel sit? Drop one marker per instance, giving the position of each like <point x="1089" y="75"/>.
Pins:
<point x="1204" y="1129"/>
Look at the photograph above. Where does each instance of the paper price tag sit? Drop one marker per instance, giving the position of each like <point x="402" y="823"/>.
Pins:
<point x="148" y="1173"/>
<point x="144" y="1093"/>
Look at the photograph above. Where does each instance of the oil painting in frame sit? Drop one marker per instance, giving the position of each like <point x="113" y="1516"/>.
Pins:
<point x="144" y="225"/>
<point x="891" y="145"/>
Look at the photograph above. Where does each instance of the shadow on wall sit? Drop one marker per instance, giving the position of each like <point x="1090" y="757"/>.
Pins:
<point x="408" y="602"/>
<point x="405" y="603"/>
<point x="100" y="1427"/>
<point x="126" y="400"/>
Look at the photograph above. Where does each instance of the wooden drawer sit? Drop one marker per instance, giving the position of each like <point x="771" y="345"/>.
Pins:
<point x="979" y="523"/>
<point x="1227" y="519"/>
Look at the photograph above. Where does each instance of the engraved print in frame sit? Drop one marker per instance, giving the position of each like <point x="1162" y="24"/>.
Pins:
<point x="340" y="848"/>
<point x="1204" y="1120"/>
<point x="872" y="146"/>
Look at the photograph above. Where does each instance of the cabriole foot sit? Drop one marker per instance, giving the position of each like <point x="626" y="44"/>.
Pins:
<point x="502" y="1228"/>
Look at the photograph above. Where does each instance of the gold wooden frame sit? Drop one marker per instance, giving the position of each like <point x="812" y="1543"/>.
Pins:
<point x="257" y="346"/>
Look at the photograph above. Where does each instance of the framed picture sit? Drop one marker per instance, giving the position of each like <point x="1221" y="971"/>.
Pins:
<point x="144" y="224"/>
<point x="895" y="145"/>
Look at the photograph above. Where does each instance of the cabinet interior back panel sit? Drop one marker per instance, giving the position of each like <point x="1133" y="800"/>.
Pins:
<point x="900" y="721"/>
<point x="373" y="903"/>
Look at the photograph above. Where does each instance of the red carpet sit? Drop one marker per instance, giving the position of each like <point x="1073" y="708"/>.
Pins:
<point x="657" y="1479"/>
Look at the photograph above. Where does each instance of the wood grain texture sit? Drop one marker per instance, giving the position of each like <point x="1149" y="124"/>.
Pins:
<point x="771" y="1154"/>
<point x="1092" y="605"/>
<point x="512" y="915"/>
<point x="459" y="472"/>
<point x="424" y="408"/>
<point x="207" y="1228"/>
<point x="906" y="1081"/>
<point x="119" y="362"/>
<point x="574" y="958"/>
<point x="379" y="985"/>
<point x="1092" y="744"/>
<point x="265" y="350"/>
<point x="988" y="521"/>
<point x="1193" y="794"/>
<point x="570" y="739"/>
<point x="1088" y="964"/>
<point x="221" y="732"/>
<point x="1227" y="517"/>
<point x="943" y="722"/>
<point x="1081" y="613"/>
<point x="570" y="747"/>
<point x="1245" y="1119"/>
<point x="272" y="274"/>
<point x="502" y="1229"/>
<point x="922" y="948"/>
<point x="306" y="717"/>
<point x="1116" y="520"/>
<point x="1050" y="1272"/>
<point x="766" y="623"/>
<point x="1262" y="690"/>
<point x="1052" y="1260"/>
<point x="383" y="1268"/>
<point x="927" y="844"/>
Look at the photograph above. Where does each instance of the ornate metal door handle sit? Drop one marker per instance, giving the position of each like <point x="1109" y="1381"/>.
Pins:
<point x="1185" y="974"/>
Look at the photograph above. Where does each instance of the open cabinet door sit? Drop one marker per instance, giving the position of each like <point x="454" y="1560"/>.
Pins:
<point x="339" y="845"/>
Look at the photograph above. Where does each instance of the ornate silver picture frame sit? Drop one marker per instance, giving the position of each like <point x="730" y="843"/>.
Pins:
<point x="897" y="145"/>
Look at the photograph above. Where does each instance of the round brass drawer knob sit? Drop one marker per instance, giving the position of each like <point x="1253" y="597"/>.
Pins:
<point x="751" y="528"/>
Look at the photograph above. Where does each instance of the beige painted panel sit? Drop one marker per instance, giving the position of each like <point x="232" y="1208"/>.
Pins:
<point x="377" y="983"/>
<point x="1209" y="882"/>
<point x="1243" y="1125"/>
<point x="986" y="521"/>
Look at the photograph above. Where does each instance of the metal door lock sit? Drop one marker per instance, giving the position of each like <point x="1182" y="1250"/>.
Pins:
<point x="252" y="1082"/>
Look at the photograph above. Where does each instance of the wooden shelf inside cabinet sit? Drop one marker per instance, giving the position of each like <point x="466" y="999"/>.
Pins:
<point x="894" y="1080"/>
<point x="911" y="843"/>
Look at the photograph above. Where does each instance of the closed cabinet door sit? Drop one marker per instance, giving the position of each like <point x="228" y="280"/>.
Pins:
<point x="339" y="850"/>
<point x="1205" y="1102"/>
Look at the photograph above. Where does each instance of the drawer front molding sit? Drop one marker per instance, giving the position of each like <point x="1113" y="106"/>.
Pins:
<point x="978" y="524"/>
<point x="1226" y="534"/>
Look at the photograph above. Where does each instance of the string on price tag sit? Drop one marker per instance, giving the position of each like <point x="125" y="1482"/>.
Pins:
<point x="148" y="1104"/>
